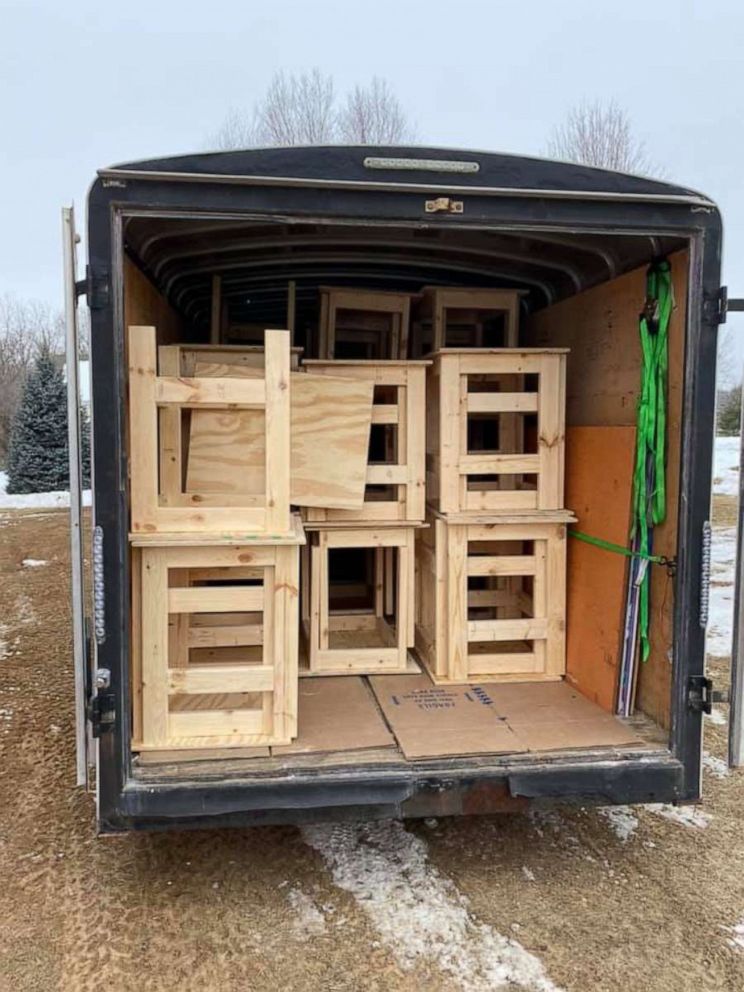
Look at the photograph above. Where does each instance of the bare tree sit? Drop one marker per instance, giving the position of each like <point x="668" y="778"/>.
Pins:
<point x="302" y="110"/>
<point x="600" y="134"/>
<point x="373" y="115"/>
<point x="26" y="326"/>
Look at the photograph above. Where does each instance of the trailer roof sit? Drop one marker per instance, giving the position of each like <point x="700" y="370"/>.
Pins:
<point x="410" y="166"/>
<point x="256" y="256"/>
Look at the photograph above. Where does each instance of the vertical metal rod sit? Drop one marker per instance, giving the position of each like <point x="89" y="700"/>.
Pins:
<point x="76" y="540"/>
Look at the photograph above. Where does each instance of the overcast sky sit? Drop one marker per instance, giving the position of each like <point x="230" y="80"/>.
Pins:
<point x="84" y="85"/>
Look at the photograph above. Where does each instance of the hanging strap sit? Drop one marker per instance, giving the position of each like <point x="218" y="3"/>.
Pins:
<point x="599" y="542"/>
<point x="649" y="476"/>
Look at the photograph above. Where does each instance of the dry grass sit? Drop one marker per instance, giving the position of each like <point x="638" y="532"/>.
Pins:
<point x="210" y="911"/>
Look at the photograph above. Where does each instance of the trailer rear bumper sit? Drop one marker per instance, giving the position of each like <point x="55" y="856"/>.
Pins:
<point x="376" y="794"/>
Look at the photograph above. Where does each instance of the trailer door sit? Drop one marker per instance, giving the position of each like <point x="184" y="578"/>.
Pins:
<point x="69" y="242"/>
<point x="736" y="715"/>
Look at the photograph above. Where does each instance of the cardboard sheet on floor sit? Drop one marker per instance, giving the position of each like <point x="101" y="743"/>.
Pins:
<point x="337" y="714"/>
<point x="431" y="721"/>
<point x="550" y="716"/>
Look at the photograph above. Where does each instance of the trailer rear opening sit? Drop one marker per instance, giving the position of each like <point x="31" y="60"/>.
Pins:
<point x="457" y="648"/>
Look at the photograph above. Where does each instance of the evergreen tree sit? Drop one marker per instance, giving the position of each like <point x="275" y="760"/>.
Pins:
<point x="38" y="450"/>
<point x="729" y="411"/>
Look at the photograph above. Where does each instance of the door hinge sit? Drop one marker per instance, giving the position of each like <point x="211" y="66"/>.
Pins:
<point x="705" y="555"/>
<point x="701" y="695"/>
<point x="98" y="288"/>
<point x="102" y="707"/>
<point x="443" y="204"/>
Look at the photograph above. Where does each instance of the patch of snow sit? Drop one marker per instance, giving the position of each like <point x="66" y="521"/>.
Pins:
<point x="736" y="940"/>
<point x="420" y="915"/>
<point x="716" y="767"/>
<point x="24" y="610"/>
<point x="33" y="562"/>
<point x="718" y="717"/>
<point x="721" y="618"/>
<point x="310" y="920"/>
<point x="4" y="646"/>
<point x="726" y="455"/>
<point x="622" y="819"/>
<point x="30" y="501"/>
<point x="686" y="816"/>
<point x="528" y="873"/>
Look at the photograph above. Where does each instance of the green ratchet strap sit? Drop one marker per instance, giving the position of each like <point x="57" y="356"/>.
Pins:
<point x="619" y="549"/>
<point x="649" y="487"/>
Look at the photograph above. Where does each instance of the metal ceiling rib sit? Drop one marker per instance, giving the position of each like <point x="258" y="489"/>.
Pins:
<point x="181" y="255"/>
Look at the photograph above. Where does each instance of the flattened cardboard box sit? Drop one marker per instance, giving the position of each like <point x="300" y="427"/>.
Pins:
<point x="431" y="721"/>
<point x="337" y="714"/>
<point x="550" y="716"/>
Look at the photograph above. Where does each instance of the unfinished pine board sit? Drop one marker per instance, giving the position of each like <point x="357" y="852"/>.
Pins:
<point x="491" y="600"/>
<point x="477" y="457"/>
<point x="395" y="487"/>
<point x="214" y="646"/>
<point x="154" y="510"/>
<point x="599" y="488"/>
<point x="373" y="322"/>
<point x="330" y="421"/>
<point x="363" y="641"/>
<point x="463" y="317"/>
<point x="144" y="304"/>
<point x="204" y="359"/>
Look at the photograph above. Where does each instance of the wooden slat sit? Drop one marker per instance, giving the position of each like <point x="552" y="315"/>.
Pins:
<point x="276" y="344"/>
<point x="285" y="689"/>
<point x="457" y="603"/>
<point x="550" y="430"/>
<point x="170" y="435"/>
<point x="501" y="565"/>
<point x="384" y="413"/>
<point x="492" y="464"/>
<point x="221" y="678"/>
<point x="154" y="614"/>
<point x="143" y="425"/>
<point x="238" y="635"/>
<point x="214" y="723"/>
<point x="215" y="393"/>
<point x="386" y="474"/>
<point x="491" y="500"/>
<point x="215" y="599"/>
<point x="508" y="630"/>
<point x="502" y="402"/>
<point x="507" y="663"/>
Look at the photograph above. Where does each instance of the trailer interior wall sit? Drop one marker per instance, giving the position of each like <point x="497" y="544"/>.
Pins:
<point x="600" y="326"/>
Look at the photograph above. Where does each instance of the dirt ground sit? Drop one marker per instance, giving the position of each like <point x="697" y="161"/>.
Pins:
<point x="448" y="905"/>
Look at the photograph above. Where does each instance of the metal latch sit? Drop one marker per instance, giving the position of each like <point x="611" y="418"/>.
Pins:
<point x="102" y="707"/>
<point x="701" y="695"/>
<point x="443" y="205"/>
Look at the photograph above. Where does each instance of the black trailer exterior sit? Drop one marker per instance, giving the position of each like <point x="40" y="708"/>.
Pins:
<point x="334" y="184"/>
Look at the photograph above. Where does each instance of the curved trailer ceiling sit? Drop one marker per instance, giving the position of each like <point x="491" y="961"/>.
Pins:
<point x="257" y="259"/>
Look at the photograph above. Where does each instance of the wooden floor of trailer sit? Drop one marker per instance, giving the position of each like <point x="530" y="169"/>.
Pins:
<point x="418" y="736"/>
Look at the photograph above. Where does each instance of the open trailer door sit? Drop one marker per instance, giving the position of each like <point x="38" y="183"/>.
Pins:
<point x="736" y="715"/>
<point x="69" y="242"/>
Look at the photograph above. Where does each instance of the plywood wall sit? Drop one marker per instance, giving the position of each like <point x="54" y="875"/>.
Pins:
<point x="145" y="304"/>
<point x="600" y="326"/>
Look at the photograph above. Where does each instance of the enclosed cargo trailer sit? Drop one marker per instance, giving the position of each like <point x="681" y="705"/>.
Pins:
<point x="248" y="240"/>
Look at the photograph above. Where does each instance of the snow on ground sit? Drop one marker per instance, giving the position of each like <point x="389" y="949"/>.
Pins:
<point x="310" y="921"/>
<point x="622" y="819"/>
<point x="33" y="562"/>
<point x="721" y="617"/>
<point x="31" y="501"/>
<point x="420" y="915"/>
<point x="686" y="816"/>
<point x="736" y="940"/>
<point x="717" y="717"/>
<point x="716" y="767"/>
<point x="726" y="456"/>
